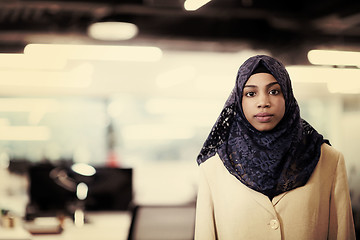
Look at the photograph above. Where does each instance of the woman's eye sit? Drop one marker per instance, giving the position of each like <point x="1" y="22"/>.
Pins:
<point x="250" y="94"/>
<point x="274" y="92"/>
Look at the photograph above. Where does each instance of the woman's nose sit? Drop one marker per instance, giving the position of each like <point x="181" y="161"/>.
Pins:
<point x="263" y="101"/>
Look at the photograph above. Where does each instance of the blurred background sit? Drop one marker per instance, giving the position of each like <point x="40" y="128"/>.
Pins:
<point x="138" y="84"/>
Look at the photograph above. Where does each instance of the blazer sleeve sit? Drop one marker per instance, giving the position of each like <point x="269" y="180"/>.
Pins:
<point x="341" y="222"/>
<point x="204" y="223"/>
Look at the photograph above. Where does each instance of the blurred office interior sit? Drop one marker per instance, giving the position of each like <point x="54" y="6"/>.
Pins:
<point x="136" y="86"/>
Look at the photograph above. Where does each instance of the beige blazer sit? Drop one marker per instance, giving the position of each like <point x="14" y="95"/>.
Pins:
<point x="229" y="210"/>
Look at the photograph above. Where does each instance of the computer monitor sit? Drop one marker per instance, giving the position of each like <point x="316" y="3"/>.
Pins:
<point x="46" y="197"/>
<point x="109" y="189"/>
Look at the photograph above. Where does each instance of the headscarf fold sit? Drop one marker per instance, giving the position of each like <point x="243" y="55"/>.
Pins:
<point x="270" y="162"/>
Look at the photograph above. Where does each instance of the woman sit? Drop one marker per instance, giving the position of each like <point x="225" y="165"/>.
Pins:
<point x="265" y="173"/>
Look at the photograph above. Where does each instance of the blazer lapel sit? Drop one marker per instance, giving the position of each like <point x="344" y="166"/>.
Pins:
<point x="263" y="200"/>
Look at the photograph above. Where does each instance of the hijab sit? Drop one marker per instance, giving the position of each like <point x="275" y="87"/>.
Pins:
<point x="270" y="162"/>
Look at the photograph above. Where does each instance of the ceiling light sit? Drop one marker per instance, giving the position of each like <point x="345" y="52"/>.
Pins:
<point x="24" y="133"/>
<point x="22" y="61"/>
<point x="80" y="77"/>
<point x="27" y="104"/>
<point x="112" y="31"/>
<point x="95" y="52"/>
<point x="333" y="57"/>
<point x="192" y="5"/>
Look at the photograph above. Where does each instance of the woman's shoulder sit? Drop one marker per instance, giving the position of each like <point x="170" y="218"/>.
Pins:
<point x="330" y="152"/>
<point x="330" y="156"/>
<point x="211" y="162"/>
<point x="212" y="166"/>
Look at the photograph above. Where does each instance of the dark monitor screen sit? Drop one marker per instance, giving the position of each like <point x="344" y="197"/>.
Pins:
<point x="46" y="196"/>
<point x="109" y="189"/>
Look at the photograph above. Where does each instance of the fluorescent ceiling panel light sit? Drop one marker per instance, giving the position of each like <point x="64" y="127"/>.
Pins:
<point x="96" y="52"/>
<point x="22" y="61"/>
<point x="24" y="133"/>
<point x="332" y="57"/>
<point x="192" y="5"/>
<point x="80" y="77"/>
<point x="112" y="31"/>
<point x="27" y="104"/>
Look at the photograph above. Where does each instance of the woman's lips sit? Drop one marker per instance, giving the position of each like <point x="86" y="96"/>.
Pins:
<point x="263" y="117"/>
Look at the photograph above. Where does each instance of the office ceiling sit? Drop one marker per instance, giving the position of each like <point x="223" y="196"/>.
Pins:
<point x="287" y="28"/>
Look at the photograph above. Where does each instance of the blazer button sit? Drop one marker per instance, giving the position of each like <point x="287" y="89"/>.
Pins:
<point x="274" y="224"/>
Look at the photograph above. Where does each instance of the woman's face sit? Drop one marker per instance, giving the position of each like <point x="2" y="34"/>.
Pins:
<point x="263" y="102"/>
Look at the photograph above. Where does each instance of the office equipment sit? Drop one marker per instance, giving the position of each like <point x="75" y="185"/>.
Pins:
<point x="44" y="225"/>
<point x="52" y="190"/>
<point x="46" y="197"/>
<point x="163" y="223"/>
<point x="110" y="189"/>
<point x="19" y="166"/>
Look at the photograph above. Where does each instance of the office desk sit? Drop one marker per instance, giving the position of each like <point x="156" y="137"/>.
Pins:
<point x="14" y="234"/>
<point x="101" y="225"/>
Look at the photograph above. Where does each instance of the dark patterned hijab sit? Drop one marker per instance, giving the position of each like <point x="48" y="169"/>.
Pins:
<point x="270" y="162"/>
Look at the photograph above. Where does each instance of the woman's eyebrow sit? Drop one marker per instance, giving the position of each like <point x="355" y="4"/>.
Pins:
<point x="272" y="83"/>
<point x="268" y="85"/>
<point x="250" y="86"/>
